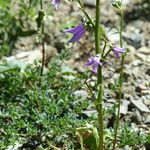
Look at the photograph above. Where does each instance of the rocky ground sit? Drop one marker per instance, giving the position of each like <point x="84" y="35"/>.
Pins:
<point x="136" y="99"/>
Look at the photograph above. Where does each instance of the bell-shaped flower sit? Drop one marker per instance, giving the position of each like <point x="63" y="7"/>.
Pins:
<point x="94" y="62"/>
<point x="118" y="51"/>
<point x="77" y="32"/>
<point x="55" y="3"/>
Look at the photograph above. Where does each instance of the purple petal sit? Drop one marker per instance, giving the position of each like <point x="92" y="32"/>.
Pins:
<point x="71" y="30"/>
<point x="75" y="29"/>
<point x="55" y="3"/>
<point x="90" y="62"/>
<point x="117" y="54"/>
<point x="94" y="62"/>
<point x="77" y="32"/>
<point x="76" y="37"/>
<point x="95" y="68"/>
<point x="119" y="49"/>
<point x="97" y="61"/>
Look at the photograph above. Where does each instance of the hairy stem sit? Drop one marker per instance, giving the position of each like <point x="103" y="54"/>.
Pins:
<point x="120" y="84"/>
<point x="100" y="108"/>
<point x="43" y="43"/>
<point x="99" y="100"/>
<point x="97" y="27"/>
<point x="83" y="10"/>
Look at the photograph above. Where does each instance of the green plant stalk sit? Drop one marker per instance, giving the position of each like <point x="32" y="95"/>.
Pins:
<point x="81" y="141"/>
<point x="120" y="84"/>
<point x="99" y="100"/>
<point x="100" y="108"/>
<point x="43" y="43"/>
<point x="97" y="28"/>
<point x="88" y="17"/>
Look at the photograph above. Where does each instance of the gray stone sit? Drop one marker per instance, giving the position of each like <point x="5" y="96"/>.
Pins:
<point x="124" y="107"/>
<point x="140" y="105"/>
<point x="90" y="113"/>
<point x="138" y="116"/>
<point x="129" y="58"/>
<point x="90" y="3"/>
<point x="147" y="101"/>
<point x="141" y="56"/>
<point x="144" y="50"/>
<point x="147" y="119"/>
<point x="80" y="93"/>
<point x="15" y="147"/>
<point x="112" y="36"/>
<point x="69" y="77"/>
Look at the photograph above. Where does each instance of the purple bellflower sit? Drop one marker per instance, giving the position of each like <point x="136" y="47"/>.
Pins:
<point x="94" y="62"/>
<point x="77" y="32"/>
<point x="55" y="3"/>
<point x="118" y="51"/>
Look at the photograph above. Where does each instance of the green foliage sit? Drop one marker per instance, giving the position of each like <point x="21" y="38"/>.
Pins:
<point x="14" y="24"/>
<point x="37" y="117"/>
<point x="33" y="113"/>
<point x="129" y="136"/>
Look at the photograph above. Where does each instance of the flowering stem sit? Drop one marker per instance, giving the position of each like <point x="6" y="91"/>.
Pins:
<point x="97" y="27"/>
<point x="120" y="84"/>
<point x="43" y="46"/>
<point x="99" y="100"/>
<point x="100" y="108"/>
<point x="88" y="17"/>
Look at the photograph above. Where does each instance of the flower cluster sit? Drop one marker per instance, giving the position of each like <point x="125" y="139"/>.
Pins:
<point x="55" y="3"/>
<point x="78" y="33"/>
<point x="118" y="51"/>
<point x="94" y="62"/>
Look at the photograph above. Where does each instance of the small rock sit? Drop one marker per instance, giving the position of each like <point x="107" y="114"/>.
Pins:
<point x="16" y="147"/>
<point x="90" y="3"/>
<point x="141" y="56"/>
<point x="147" y="119"/>
<point x="148" y="72"/>
<point x="140" y="105"/>
<point x="144" y="50"/>
<point x="80" y="93"/>
<point x="124" y="107"/>
<point x="90" y="113"/>
<point x="147" y="102"/>
<point x="148" y="58"/>
<point x="146" y="92"/>
<point x="135" y="71"/>
<point x="135" y="116"/>
<point x="137" y="63"/>
<point x="134" y="37"/>
<point x="69" y="77"/>
<point x="67" y="70"/>
<point x="127" y="147"/>
<point x="129" y="58"/>
<point x="112" y="36"/>
<point x="139" y="88"/>
<point x="138" y="116"/>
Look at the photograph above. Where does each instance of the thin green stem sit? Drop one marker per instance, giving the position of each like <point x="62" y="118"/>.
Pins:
<point x="90" y="89"/>
<point x="100" y="108"/>
<point x="97" y="27"/>
<point x="99" y="101"/>
<point x="120" y="85"/>
<point x="83" y="10"/>
<point x="105" y="56"/>
<point x="43" y="43"/>
<point x="103" y="50"/>
<point x="41" y="4"/>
